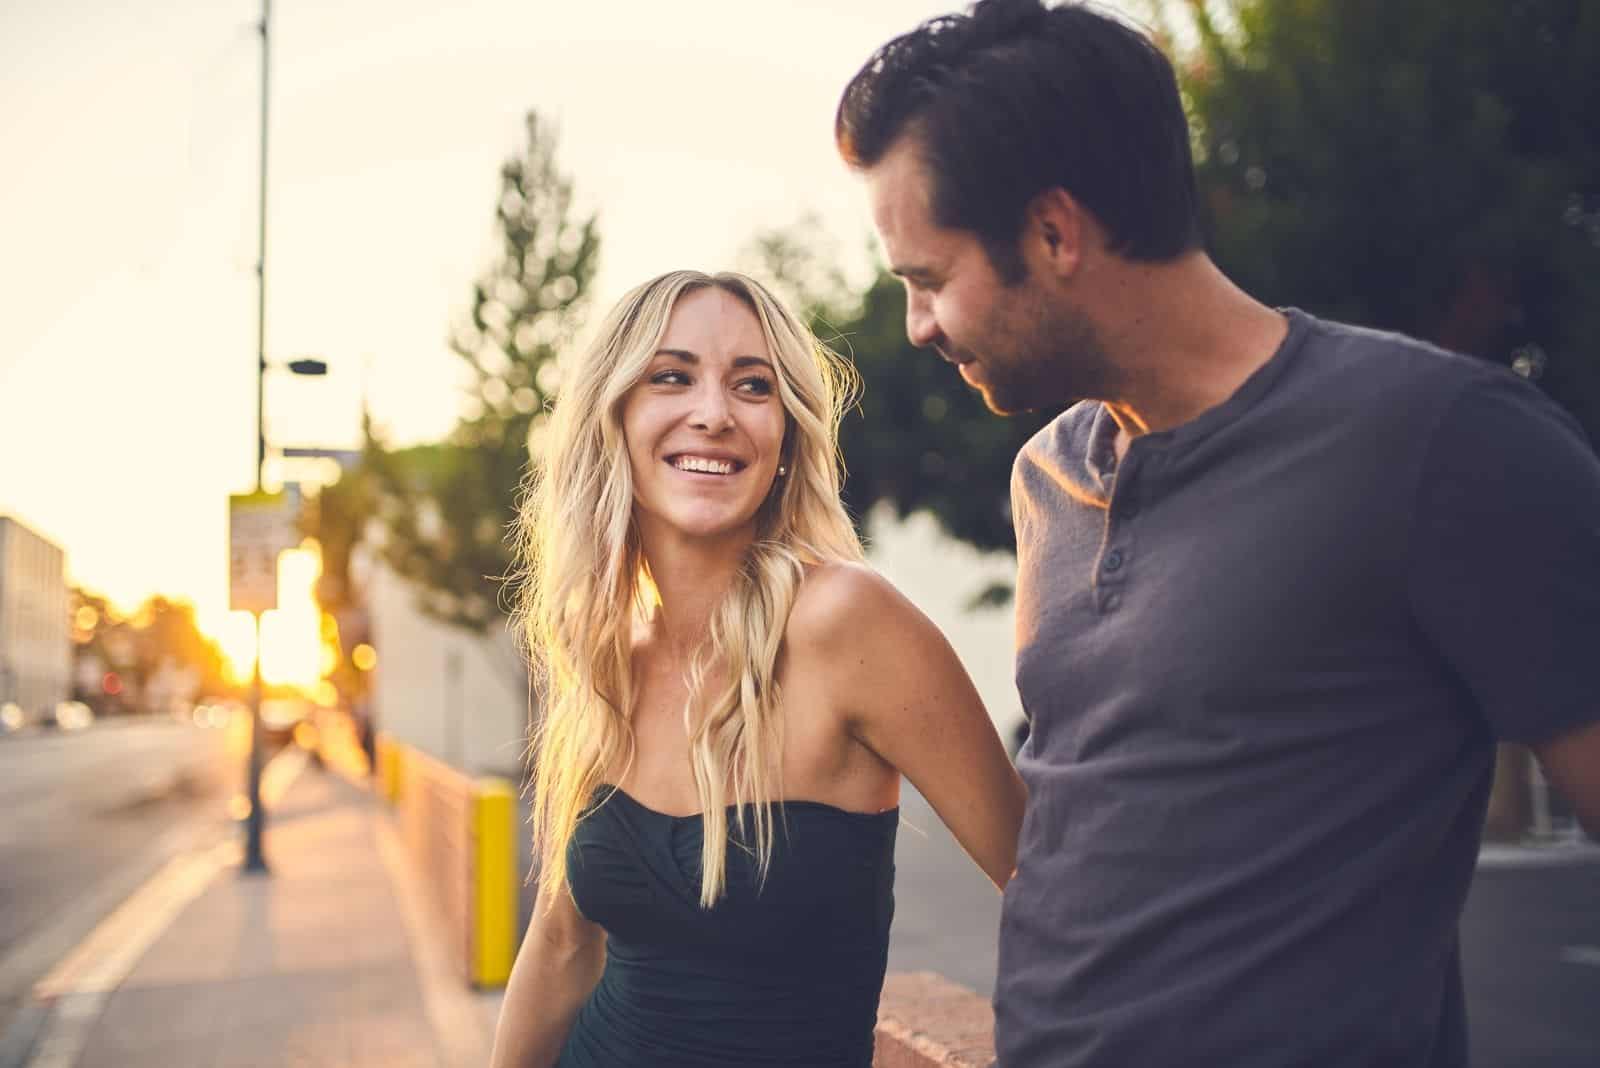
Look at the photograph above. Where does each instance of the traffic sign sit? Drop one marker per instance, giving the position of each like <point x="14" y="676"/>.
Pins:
<point x="260" y="526"/>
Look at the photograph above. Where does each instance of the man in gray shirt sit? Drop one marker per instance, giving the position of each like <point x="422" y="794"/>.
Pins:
<point x="1282" y="582"/>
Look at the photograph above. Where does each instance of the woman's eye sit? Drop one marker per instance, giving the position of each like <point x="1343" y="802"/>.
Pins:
<point x="760" y="387"/>
<point x="669" y="378"/>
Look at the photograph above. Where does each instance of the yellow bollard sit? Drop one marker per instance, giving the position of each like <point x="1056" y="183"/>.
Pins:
<point x="494" y="921"/>
<point x="391" y="757"/>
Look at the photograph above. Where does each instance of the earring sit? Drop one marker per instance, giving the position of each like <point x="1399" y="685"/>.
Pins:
<point x="782" y="470"/>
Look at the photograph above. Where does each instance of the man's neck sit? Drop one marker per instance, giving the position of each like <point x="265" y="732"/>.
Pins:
<point x="1183" y="339"/>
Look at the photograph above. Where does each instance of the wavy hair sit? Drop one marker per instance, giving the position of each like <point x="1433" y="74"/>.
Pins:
<point x="583" y="582"/>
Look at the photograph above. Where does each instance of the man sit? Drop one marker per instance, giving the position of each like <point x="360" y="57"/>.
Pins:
<point x="1282" y="582"/>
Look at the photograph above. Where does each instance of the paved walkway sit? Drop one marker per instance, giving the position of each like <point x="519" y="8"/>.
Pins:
<point x="329" y="961"/>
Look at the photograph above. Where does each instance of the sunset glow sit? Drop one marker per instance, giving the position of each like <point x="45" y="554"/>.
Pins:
<point x="291" y="635"/>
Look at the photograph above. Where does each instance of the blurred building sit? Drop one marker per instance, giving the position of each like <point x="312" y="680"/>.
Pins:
<point x="35" y="622"/>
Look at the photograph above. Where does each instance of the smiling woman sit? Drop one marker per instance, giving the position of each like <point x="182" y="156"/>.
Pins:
<point x="730" y="698"/>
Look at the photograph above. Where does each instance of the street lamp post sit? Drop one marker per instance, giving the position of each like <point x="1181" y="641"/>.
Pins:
<point x="255" y="821"/>
<point x="254" y="859"/>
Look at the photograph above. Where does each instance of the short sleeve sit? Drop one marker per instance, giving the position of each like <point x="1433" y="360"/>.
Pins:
<point x="1504" y="557"/>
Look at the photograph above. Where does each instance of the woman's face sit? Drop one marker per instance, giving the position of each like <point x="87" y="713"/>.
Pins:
<point x="704" y="426"/>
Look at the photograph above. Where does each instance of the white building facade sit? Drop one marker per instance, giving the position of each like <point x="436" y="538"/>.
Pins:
<point x="35" y="623"/>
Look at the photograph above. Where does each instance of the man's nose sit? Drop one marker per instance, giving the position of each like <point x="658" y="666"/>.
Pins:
<point x="922" y="330"/>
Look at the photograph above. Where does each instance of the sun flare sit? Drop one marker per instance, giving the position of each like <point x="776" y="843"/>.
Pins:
<point x="291" y="635"/>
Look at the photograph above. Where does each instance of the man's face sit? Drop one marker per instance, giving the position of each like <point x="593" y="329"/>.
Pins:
<point x="1021" y="345"/>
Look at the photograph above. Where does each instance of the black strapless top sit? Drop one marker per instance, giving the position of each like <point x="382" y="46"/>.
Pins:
<point x="785" y="974"/>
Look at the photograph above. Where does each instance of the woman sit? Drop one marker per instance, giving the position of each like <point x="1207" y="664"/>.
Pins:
<point x="730" y="700"/>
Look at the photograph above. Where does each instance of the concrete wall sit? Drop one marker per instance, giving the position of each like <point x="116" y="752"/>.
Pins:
<point x="457" y="696"/>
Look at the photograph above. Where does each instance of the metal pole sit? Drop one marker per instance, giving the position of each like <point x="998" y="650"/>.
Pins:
<point x="261" y="259"/>
<point x="254" y="860"/>
<point x="255" y="821"/>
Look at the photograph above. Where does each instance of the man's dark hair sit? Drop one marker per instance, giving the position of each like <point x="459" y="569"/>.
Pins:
<point x="1014" y="98"/>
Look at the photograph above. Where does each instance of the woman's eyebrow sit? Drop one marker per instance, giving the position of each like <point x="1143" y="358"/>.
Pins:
<point x="738" y="361"/>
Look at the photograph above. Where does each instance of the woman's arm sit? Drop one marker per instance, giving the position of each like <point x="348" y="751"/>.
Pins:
<point x="907" y="698"/>
<point x="558" y="965"/>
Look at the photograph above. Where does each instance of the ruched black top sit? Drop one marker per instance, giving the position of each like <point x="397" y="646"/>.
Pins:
<point x="787" y="973"/>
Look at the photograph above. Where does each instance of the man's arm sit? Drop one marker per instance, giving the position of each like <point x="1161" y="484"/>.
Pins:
<point x="1571" y="762"/>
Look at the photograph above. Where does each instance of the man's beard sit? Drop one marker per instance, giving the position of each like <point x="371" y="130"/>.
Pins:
<point x="1057" y="362"/>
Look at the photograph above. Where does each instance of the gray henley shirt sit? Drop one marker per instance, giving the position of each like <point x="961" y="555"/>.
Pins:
<point x="1265" y="679"/>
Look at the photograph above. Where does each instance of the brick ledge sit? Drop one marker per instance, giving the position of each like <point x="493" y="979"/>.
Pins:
<point x="927" y="1021"/>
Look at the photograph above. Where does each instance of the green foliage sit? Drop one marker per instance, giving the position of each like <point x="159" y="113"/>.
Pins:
<point x="1426" y="167"/>
<point x="446" y="507"/>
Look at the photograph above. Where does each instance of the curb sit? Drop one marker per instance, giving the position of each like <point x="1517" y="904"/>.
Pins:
<point x="1561" y="853"/>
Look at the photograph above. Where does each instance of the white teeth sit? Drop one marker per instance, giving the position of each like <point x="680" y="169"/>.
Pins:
<point x="702" y="464"/>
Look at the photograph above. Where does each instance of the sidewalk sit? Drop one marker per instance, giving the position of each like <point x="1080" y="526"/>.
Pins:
<point x="329" y="961"/>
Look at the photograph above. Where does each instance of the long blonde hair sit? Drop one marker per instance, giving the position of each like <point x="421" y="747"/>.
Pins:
<point x="583" y="580"/>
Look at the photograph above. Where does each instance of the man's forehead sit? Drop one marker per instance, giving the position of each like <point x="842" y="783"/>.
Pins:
<point x="900" y="180"/>
<point x="900" y="200"/>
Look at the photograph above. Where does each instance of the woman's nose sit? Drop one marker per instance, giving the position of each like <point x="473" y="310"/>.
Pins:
<point x="711" y="412"/>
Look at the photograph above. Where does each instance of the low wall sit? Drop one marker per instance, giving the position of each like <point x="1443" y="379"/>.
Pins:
<point x="927" y="1021"/>
<point x="459" y="832"/>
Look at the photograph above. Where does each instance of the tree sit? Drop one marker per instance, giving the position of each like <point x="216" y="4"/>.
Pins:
<point x="161" y="638"/>
<point x="446" y="507"/>
<point x="1428" y="168"/>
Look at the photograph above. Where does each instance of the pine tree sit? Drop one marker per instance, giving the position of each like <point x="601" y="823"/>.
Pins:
<point x="446" y="508"/>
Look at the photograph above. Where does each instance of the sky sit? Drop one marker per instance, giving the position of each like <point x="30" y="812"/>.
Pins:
<point x="128" y="216"/>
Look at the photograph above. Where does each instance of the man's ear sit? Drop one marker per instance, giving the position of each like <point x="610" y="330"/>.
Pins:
<point x="1056" y="225"/>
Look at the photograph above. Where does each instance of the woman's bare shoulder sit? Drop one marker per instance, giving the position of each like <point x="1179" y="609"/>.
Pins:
<point x="840" y="602"/>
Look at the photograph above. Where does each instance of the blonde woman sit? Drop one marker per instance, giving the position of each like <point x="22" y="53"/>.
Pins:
<point x="731" y="697"/>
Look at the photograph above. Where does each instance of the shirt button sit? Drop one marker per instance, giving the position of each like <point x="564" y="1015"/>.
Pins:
<point x="1110" y="602"/>
<point x="1114" y="560"/>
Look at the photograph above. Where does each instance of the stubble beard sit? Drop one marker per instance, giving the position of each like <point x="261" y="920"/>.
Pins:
<point x="1057" y="361"/>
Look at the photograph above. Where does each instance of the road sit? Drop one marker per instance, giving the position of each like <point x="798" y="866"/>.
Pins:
<point x="87" y="817"/>
<point x="1530" y="943"/>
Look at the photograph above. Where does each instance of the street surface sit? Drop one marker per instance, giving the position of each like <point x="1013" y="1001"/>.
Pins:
<point x="85" y="818"/>
<point x="1530" y="943"/>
